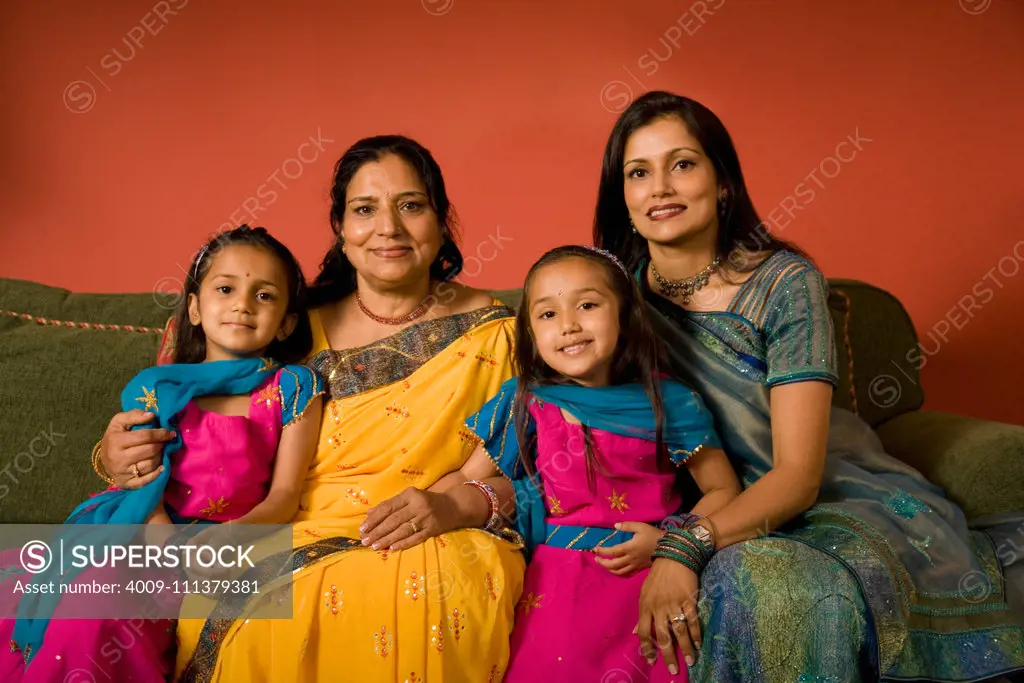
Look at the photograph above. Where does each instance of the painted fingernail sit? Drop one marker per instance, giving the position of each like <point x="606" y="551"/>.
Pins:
<point x="673" y="669"/>
<point x="651" y="661"/>
<point x="689" y="660"/>
<point x="635" y="629"/>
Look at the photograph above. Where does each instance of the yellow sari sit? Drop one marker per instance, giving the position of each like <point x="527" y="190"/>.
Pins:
<point x="441" y="611"/>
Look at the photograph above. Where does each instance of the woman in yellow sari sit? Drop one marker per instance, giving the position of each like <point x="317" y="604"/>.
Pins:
<point x="406" y="356"/>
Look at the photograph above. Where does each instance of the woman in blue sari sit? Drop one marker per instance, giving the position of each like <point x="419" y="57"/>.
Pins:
<point x="857" y="571"/>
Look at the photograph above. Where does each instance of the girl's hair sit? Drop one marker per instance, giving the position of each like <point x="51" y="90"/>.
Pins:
<point x="190" y="340"/>
<point x="337" y="277"/>
<point x="740" y="229"/>
<point x="637" y="354"/>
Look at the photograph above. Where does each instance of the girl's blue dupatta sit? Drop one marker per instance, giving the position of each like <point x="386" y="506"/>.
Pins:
<point x="163" y="390"/>
<point x="623" y="409"/>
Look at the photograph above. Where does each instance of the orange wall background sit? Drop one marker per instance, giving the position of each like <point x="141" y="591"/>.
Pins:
<point x="132" y="129"/>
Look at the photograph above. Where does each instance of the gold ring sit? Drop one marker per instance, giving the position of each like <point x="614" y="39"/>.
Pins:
<point x="415" y="529"/>
<point x="677" y="619"/>
<point x="135" y="469"/>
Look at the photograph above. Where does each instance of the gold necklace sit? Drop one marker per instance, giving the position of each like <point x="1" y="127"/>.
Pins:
<point x="687" y="286"/>
<point x="400" y="320"/>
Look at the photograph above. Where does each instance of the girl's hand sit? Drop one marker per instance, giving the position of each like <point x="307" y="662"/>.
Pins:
<point x="668" y="614"/>
<point x="626" y="559"/>
<point x="408" y="519"/>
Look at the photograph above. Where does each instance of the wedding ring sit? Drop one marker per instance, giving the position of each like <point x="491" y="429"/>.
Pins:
<point x="679" y="618"/>
<point x="415" y="529"/>
<point x="135" y="469"/>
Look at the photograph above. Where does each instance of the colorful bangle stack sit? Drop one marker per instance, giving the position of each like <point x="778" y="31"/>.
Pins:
<point x="683" y="547"/>
<point x="494" y="521"/>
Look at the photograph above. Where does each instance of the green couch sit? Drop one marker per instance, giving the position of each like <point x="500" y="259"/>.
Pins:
<point x="65" y="357"/>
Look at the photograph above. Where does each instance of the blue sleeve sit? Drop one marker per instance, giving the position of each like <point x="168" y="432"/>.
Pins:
<point x="300" y="386"/>
<point x="494" y="425"/>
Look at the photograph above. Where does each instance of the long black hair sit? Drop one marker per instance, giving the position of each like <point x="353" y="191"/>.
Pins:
<point x="337" y="277"/>
<point x="190" y="340"/>
<point x="740" y="229"/>
<point x="638" y="354"/>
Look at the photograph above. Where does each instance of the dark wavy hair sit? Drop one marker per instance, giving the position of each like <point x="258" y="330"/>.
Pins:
<point x="740" y="229"/>
<point x="638" y="355"/>
<point x="337" y="276"/>
<point x="190" y="340"/>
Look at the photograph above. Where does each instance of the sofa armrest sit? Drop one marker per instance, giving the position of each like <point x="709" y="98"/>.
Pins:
<point x="979" y="463"/>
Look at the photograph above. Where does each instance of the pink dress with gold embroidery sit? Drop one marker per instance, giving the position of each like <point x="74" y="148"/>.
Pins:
<point x="221" y="472"/>
<point x="224" y="467"/>
<point x="575" y="620"/>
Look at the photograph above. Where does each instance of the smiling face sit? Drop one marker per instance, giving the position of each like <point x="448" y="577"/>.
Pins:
<point x="670" y="186"/>
<point x="390" y="233"/>
<point x="242" y="303"/>
<point x="574" y="319"/>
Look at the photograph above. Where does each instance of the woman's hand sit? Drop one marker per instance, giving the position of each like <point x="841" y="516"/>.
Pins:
<point x="670" y="590"/>
<point x="408" y="519"/>
<point x="626" y="559"/>
<point x="124" y="450"/>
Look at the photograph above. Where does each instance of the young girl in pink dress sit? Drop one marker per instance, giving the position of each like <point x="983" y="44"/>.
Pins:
<point x="240" y="457"/>
<point x="603" y="437"/>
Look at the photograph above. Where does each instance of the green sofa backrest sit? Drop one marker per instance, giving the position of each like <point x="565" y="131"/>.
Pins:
<point x="65" y="357"/>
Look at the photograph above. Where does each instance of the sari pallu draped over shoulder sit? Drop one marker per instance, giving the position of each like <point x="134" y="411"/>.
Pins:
<point x="932" y="588"/>
<point x="440" y="611"/>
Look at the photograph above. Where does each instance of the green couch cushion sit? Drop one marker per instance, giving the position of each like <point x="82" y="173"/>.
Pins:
<point x="59" y="386"/>
<point x="875" y="332"/>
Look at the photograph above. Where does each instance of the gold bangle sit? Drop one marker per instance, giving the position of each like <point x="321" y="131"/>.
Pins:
<point x="98" y="465"/>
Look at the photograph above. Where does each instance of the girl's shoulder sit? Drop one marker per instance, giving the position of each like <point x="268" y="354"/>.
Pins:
<point x="299" y="386"/>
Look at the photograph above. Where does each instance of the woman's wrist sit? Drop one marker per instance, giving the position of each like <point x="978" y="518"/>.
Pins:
<point x="685" y="547"/>
<point x="98" y="465"/>
<point x="471" y="508"/>
<point x="493" y="521"/>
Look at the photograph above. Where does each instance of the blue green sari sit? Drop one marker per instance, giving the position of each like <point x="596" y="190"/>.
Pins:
<point x="868" y="583"/>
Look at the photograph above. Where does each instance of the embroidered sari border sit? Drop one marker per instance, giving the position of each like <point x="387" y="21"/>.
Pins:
<point x="392" y="359"/>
